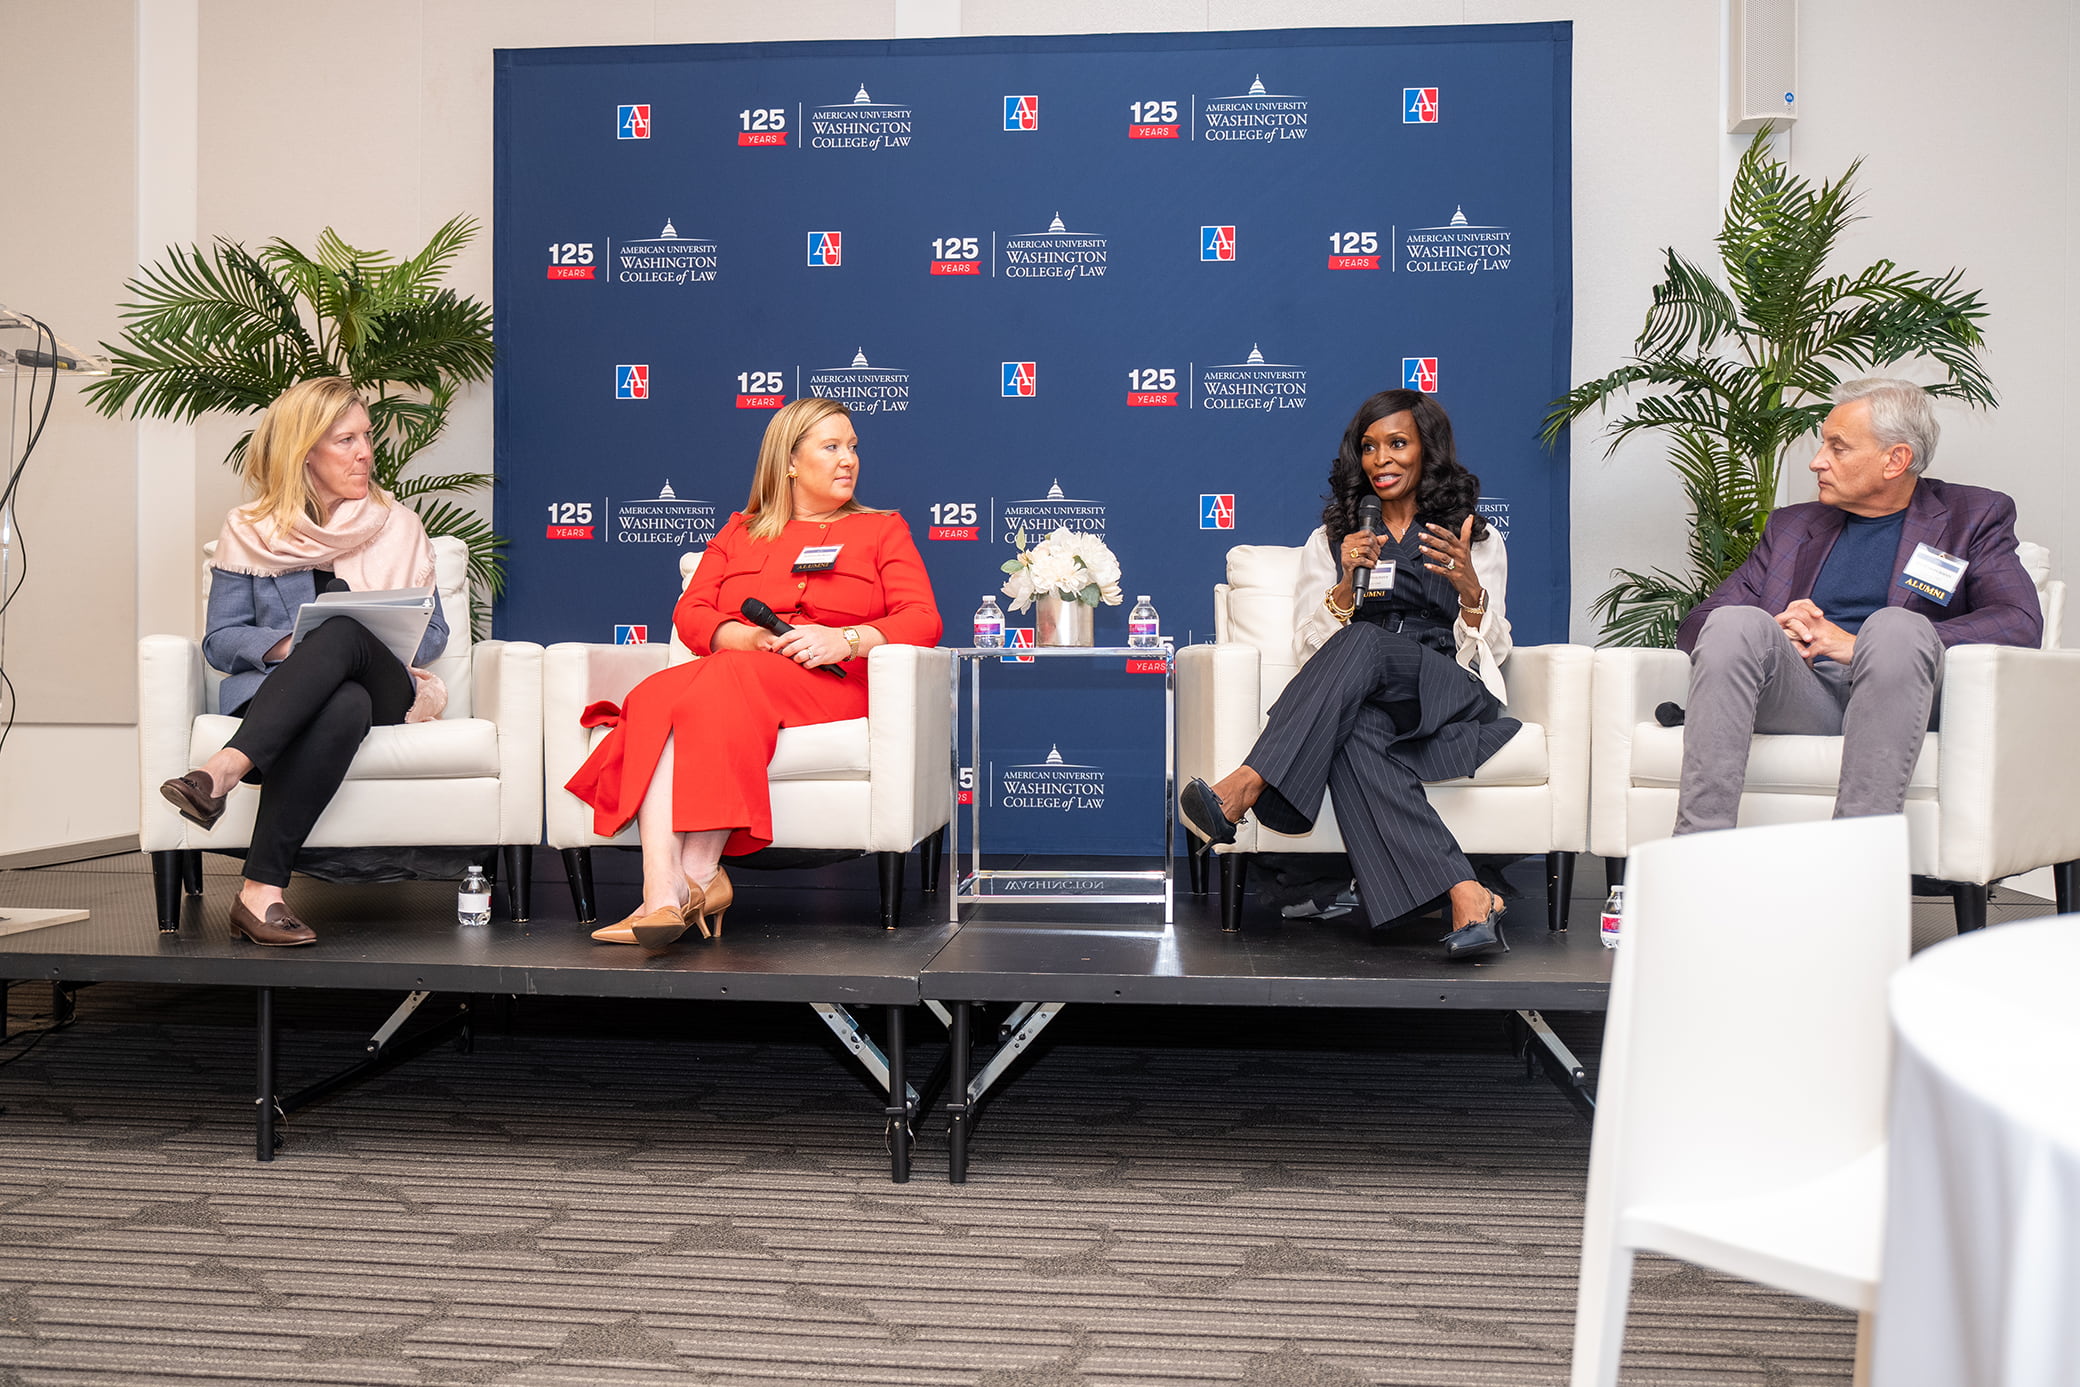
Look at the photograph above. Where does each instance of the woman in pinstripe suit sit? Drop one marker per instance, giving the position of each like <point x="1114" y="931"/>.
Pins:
<point x="1402" y="687"/>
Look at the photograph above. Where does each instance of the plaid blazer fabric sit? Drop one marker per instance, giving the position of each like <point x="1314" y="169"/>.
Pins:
<point x="1997" y="604"/>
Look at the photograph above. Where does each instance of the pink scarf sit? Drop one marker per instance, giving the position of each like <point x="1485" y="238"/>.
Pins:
<point x="371" y="545"/>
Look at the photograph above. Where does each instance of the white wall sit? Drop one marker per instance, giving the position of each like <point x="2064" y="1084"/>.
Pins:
<point x="1971" y="165"/>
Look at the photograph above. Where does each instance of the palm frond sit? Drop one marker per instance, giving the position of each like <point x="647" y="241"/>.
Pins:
<point x="423" y="271"/>
<point x="486" y="548"/>
<point x="1645" y="608"/>
<point x="1690" y="312"/>
<point x="410" y="487"/>
<point x="226" y="330"/>
<point x="444" y="337"/>
<point x="204" y="332"/>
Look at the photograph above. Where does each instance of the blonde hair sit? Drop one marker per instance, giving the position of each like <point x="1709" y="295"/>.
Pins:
<point x="771" y="504"/>
<point x="294" y="424"/>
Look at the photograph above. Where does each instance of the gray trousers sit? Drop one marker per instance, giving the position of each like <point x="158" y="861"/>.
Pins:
<point x="1747" y="677"/>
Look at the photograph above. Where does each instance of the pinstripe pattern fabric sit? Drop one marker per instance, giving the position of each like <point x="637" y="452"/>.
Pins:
<point x="1372" y="716"/>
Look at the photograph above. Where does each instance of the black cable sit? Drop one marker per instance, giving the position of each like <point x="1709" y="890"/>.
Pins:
<point x="33" y="1043"/>
<point x="50" y="393"/>
<point x="44" y="338"/>
<point x="35" y="1037"/>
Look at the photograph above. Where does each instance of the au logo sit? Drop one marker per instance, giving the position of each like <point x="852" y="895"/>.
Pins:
<point x="632" y="122"/>
<point x="631" y="382"/>
<point x="1021" y="113"/>
<point x="631" y="635"/>
<point x="1216" y="243"/>
<point x="1021" y="379"/>
<point x="1216" y="510"/>
<point x="826" y="248"/>
<point x="1419" y="105"/>
<point x="1419" y="373"/>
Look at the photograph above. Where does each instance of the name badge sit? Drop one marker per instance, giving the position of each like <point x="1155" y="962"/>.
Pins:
<point x="1382" y="580"/>
<point x="816" y="558"/>
<point x="1933" y="574"/>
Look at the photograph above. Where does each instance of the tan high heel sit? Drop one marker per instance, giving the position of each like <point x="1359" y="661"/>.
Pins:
<point x="651" y="929"/>
<point x="710" y="904"/>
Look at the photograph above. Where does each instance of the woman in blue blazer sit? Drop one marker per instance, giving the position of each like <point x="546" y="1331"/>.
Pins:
<point x="316" y="521"/>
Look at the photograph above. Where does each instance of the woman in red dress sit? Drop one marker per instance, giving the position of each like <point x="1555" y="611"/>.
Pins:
<point x="688" y="758"/>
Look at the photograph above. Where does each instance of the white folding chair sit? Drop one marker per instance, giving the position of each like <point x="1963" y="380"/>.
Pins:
<point x="1740" y="1115"/>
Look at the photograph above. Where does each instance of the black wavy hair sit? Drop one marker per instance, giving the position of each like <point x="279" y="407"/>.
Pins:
<point x="1446" y="492"/>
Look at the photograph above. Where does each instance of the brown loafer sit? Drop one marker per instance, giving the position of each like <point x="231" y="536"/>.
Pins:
<point x="191" y="795"/>
<point x="279" y="928"/>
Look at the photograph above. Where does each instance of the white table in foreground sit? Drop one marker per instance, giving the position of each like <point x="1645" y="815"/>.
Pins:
<point x="1980" y="1282"/>
<point x="976" y="886"/>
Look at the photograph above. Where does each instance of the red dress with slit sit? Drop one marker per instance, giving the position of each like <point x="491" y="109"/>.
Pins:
<point x="725" y="710"/>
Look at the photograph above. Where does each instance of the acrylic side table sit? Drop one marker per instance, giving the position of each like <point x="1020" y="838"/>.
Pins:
<point x="979" y="887"/>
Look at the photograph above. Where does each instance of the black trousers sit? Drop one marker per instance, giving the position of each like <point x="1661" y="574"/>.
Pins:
<point x="1372" y="716"/>
<point x="302" y="728"/>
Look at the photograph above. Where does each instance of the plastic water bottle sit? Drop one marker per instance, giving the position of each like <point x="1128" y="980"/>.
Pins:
<point x="1613" y="917"/>
<point x="989" y="625"/>
<point x="1144" y="629"/>
<point x="473" y="899"/>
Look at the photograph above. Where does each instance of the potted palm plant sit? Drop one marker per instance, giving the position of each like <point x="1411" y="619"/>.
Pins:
<point x="226" y="330"/>
<point x="1734" y="374"/>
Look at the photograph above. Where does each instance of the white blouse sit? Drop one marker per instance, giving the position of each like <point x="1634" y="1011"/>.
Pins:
<point x="1481" y="649"/>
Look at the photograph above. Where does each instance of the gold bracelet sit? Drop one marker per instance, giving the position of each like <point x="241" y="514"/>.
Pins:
<point x="1343" y="615"/>
<point x="1481" y="610"/>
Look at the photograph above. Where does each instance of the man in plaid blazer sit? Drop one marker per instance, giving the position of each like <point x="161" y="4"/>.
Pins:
<point x="1837" y="623"/>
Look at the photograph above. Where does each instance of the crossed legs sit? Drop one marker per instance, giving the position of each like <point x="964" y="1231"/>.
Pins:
<point x="671" y="859"/>
<point x="1746" y="677"/>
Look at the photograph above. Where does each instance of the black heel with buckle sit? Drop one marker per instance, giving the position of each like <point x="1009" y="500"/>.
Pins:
<point x="1483" y="936"/>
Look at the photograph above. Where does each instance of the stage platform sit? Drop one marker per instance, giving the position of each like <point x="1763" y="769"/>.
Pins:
<point x="809" y="937"/>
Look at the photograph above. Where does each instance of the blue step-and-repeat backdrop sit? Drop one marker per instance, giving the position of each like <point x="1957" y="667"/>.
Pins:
<point x="1130" y="284"/>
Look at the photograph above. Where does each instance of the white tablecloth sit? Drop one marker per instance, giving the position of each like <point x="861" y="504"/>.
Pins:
<point x="1981" y="1278"/>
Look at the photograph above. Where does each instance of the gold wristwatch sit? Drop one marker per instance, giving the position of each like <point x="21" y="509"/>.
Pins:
<point x="852" y="639"/>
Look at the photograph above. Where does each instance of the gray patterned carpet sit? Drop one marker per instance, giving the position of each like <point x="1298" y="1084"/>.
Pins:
<point x="637" y="1195"/>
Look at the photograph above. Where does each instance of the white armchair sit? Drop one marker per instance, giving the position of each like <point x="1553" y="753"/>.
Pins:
<point x="878" y="784"/>
<point x="1530" y="797"/>
<point x="1993" y="793"/>
<point x="472" y="777"/>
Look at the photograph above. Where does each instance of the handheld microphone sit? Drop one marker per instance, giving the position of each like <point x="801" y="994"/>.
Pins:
<point x="759" y="614"/>
<point x="1368" y="520"/>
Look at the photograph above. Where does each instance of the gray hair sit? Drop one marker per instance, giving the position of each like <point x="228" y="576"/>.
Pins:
<point x="1900" y="413"/>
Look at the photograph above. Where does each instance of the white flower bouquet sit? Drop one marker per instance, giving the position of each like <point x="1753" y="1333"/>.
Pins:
<point x="1075" y="567"/>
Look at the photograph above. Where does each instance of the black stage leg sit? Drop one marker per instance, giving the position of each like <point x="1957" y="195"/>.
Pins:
<point x="1559" y="888"/>
<point x="191" y="871"/>
<point x="957" y="1103"/>
<point x="263" y="1102"/>
<point x="519" y="881"/>
<point x="898" y="1102"/>
<point x="891" y="887"/>
<point x="577" y="869"/>
<point x="1195" y="862"/>
<point x="167" y="872"/>
<point x="1234" y="879"/>
<point x="1613" y="873"/>
<point x="1969" y="899"/>
<point x="929" y="855"/>
<point x="2063" y="875"/>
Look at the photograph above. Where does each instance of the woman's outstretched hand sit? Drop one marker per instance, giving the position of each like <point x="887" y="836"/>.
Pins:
<point x="1452" y="555"/>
